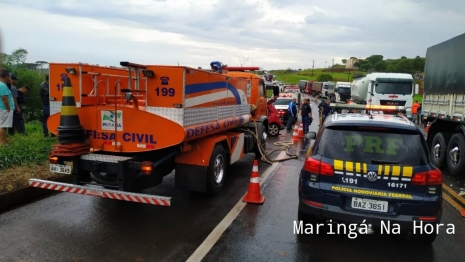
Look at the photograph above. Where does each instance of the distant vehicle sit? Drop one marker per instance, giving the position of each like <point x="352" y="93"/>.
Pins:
<point x="370" y="170"/>
<point x="282" y="104"/>
<point x="328" y="90"/>
<point x="342" y="91"/>
<point x="443" y="104"/>
<point x="393" y="89"/>
<point x="292" y="89"/>
<point x="314" y="88"/>
<point x="303" y="85"/>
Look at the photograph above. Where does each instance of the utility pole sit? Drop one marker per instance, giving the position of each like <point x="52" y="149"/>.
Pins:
<point x="332" y="67"/>
<point x="325" y="64"/>
<point x="313" y="66"/>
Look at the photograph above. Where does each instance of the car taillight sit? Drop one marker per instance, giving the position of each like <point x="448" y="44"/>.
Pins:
<point x="317" y="167"/>
<point x="430" y="178"/>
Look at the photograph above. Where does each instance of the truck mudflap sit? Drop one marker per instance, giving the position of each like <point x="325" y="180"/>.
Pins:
<point x="99" y="192"/>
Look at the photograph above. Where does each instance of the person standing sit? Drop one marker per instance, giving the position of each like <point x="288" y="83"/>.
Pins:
<point x="17" y="111"/>
<point x="44" y="94"/>
<point x="6" y="106"/>
<point x="326" y="110"/>
<point x="292" y="111"/>
<point x="415" y="107"/>
<point x="306" y="112"/>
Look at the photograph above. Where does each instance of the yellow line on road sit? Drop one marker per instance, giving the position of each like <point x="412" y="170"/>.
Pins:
<point x="453" y="193"/>
<point x="452" y="202"/>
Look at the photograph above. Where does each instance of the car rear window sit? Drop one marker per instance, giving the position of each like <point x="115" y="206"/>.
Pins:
<point x="282" y="101"/>
<point x="365" y="146"/>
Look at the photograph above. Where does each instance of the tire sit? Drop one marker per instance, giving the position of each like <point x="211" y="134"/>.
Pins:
<point x="273" y="129"/>
<point x="438" y="152"/>
<point x="216" y="171"/>
<point x="456" y="165"/>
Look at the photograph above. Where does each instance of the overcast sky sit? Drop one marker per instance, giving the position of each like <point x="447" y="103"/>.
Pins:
<point x="273" y="34"/>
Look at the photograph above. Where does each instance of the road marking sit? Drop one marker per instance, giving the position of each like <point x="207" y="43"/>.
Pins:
<point x="452" y="202"/>
<point x="215" y="235"/>
<point x="453" y="193"/>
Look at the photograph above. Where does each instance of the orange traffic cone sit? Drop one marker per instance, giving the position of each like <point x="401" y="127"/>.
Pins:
<point x="427" y="127"/>
<point x="462" y="212"/>
<point x="254" y="195"/>
<point x="295" y="135"/>
<point x="301" y="131"/>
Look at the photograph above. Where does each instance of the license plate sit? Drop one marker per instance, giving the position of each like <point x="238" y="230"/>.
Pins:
<point x="369" y="204"/>
<point x="62" y="169"/>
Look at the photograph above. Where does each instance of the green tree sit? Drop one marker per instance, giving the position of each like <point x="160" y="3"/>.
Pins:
<point x="14" y="62"/>
<point x="419" y="64"/>
<point x="374" y="59"/>
<point x="344" y="61"/>
<point x="324" y="78"/>
<point x="381" y="66"/>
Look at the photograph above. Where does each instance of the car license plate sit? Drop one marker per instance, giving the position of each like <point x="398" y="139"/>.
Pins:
<point x="369" y="204"/>
<point x="62" y="169"/>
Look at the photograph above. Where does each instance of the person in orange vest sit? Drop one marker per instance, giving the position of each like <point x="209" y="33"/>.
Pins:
<point x="415" y="107"/>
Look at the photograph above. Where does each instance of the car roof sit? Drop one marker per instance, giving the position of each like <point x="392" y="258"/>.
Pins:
<point x="375" y="120"/>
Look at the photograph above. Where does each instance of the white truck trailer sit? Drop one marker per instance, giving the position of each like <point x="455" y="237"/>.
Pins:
<point x="444" y="104"/>
<point x="392" y="89"/>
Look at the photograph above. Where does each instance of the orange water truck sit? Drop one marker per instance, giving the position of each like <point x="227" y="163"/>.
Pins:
<point x="135" y="124"/>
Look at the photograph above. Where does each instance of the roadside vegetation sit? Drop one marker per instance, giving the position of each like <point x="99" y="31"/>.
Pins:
<point x="26" y="157"/>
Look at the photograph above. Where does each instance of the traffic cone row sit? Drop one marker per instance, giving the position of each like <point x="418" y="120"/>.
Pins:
<point x="427" y="127"/>
<point x="301" y="131"/>
<point x="253" y="194"/>
<point x="295" y="134"/>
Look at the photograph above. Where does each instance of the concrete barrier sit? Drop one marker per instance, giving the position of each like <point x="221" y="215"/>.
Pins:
<point x="28" y="194"/>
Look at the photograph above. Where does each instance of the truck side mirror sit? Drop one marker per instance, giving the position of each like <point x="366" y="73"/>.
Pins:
<point x="416" y="89"/>
<point x="335" y="89"/>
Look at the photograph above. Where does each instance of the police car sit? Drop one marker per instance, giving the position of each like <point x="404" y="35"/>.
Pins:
<point x="371" y="168"/>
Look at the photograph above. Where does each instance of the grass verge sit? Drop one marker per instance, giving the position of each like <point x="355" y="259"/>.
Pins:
<point x="26" y="157"/>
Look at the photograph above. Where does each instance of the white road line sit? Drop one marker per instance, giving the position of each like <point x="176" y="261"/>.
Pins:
<point x="215" y="235"/>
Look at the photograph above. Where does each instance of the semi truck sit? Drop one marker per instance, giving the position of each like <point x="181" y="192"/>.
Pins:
<point x="142" y="122"/>
<point x="443" y="106"/>
<point x="342" y="92"/>
<point x="314" y="89"/>
<point x="392" y="89"/>
<point x="328" y="90"/>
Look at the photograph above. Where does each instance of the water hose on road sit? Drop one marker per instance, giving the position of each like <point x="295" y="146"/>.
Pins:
<point x="283" y="146"/>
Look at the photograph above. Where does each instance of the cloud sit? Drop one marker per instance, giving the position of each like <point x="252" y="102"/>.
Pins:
<point x="273" y="33"/>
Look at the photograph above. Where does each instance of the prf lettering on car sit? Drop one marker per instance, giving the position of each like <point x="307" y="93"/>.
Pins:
<point x="372" y="144"/>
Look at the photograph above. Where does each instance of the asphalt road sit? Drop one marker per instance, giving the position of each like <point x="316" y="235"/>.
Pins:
<point x="69" y="227"/>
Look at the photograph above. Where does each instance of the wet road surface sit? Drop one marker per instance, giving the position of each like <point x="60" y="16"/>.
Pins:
<point x="69" y="227"/>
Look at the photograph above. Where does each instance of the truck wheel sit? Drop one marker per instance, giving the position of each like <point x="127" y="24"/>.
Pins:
<point x="273" y="129"/>
<point x="456" y="154"/>
<point x="439" y="148"/>
<point x="216" y="171"/>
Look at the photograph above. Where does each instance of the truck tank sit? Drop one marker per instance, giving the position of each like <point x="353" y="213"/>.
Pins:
<point x="162" y="106"/>
<point x="359" y="89"/>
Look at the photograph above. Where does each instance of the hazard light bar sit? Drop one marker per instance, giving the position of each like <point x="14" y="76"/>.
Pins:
<point x="105" y="193"/>
<point x="241" y="68"/>
<point x="367" y="107"/>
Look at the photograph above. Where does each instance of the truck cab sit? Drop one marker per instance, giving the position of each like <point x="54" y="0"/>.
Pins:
<point x="391" y="89"/>
<point x="342" y="91"/>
